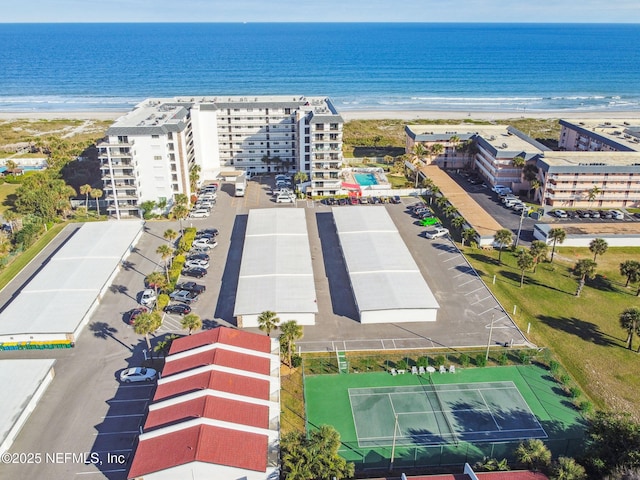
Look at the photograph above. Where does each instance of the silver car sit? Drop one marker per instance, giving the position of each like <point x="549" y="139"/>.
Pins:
<point x="137" y="374"/>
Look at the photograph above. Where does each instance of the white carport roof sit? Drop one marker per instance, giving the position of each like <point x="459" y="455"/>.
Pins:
<point x="22" y="379"/>
<point x="61" y="294"/>
<point x="276" y="272"/>
<point x="384" y="275"/>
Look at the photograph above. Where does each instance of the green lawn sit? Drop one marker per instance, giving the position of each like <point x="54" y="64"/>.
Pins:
<point x="582" y="331"/>
<point x="6" y="190"/>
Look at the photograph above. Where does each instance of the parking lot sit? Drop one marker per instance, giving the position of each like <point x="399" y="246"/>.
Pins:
<point x="87" y="410"/>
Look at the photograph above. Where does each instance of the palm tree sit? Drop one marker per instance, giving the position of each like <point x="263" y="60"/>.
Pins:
<point x="170" y="235"/>
<point x="557" y="235"/>
<point x="502" y="238"/>
<point x="435" y="150"/>
<point x="165" y="252"/>
<point x="96" y="193"/>
<point x="181" y="199"/>
<point x="450" y="211"/>
<point x="539" y="250"/>
<point x="290" y="333"/>
<point x="146" y="323"/>
<point x="628" y="268"/>
<point x="191" y="322"/>
<point x="534" y="454"/>
<point x="518" y="162"/>
<point x="525" y="262"/>
<point x="458" y="222"/>
<point x="268" y="321"/>
<point x="598" y="246"/>
<point x="568" y="469"/>
<point x="469" y="235"/>
<point x="85" y="190"/>
<point x="454" y="141"/>
<point x="180" y="211"/>
<point x="584" y="269"/>
<point x="593" y="192"/>
<point x="630" y="321"/>
<point x="419" y="151"/>
<point x="194" y="177"/>
<point x="300" y="177"/>
<point x="157" y="281"/>
<point x="10" y="217"/>
<point x="535" y="186"/>
<point x="442" y="201"/>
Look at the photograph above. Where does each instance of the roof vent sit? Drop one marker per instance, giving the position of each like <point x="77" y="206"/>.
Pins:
<point x="504" y="145"/>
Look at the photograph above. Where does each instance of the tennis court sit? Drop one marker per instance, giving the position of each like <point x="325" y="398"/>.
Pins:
<point x="430" y="414"/>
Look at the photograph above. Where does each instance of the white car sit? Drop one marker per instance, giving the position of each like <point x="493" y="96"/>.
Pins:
<point x="560" y="213"/>
<point x="204" y="243"/>
<point x="436" y="232"/>
<point x="285" y="198"/>
<point x="137" y="374"/>
<point x="199" y="213"/>
<point x="148" y="298"/>
<point x="196" y="263"/>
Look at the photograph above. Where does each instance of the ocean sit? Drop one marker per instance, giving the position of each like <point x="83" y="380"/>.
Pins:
<point x="366" y="66"/>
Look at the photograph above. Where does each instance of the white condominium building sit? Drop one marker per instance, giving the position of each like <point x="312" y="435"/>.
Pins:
<point x="149" y="154"/>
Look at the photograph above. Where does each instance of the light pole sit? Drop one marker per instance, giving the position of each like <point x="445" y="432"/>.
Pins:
<point x="489" y="341"/>
<point x="524" y="209"/>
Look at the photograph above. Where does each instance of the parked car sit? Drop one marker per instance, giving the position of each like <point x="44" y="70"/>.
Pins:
<point x="135" y="313"/>
<point x="560" y="214"/>
<point x="196" y="272"/>
<point x="196" y="263"/>
<point x="594" y="214"/>
<point x="148" y="297"/>
<point x="137" y="374"/>
<point x="427" y="222"/>
<point x="617" y="214"/>
<point x="191" y="287"/>
<point x="208" y="231"/>
<point x="204" y="243"/>
<point x="198" y="256"/>
<point x="285" y="198"/>
<point x="179" y="308"/>
<point x="199" y="213"/>
<point x="396" y="199"/>
<point x="183" y="296"/>
<point x="437" y="232"/>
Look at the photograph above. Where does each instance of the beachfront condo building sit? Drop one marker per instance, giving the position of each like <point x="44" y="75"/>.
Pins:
<point x="597" y="165"/>
<point x="165" y="147"/>
<point x="489" y="149"/>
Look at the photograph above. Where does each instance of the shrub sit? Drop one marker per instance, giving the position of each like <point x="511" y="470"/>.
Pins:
<point x="163" y="301"/>
<point x="402" y="364"/>
<point x="440" y="360"/>
<point x="464" y="360"/>
<point x="565" y="379"/>
<point x="296" y="360"/>
<point x="585" y="407"/>
<point x="423" y="362"/>
<point x="574" y="392"/>
<point x="503" y="359"/>
<point x="554" y="367"/>
<point x="524" y="356"/>
<point x="480" y="360"/>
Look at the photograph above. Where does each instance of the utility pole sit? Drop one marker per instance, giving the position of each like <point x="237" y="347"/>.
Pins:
<point x="520" y="226"/>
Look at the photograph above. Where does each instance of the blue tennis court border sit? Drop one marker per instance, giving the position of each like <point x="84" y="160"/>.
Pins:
<point x="442" y="414"/>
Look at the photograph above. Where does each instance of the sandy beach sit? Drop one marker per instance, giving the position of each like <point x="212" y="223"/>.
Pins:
<point x="407" y="115"/>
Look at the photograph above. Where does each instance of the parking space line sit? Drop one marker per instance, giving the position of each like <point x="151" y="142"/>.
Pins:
<point x="466" y="272"/>
<point x="458" y="266"/>
<point x="469" y="281"/>
<point x="452" y="258"/>
<point x="480" y="301"/>
<point x="488" y="310"/>
<point x="473" y="291"/>
<point x="124" y="416"/>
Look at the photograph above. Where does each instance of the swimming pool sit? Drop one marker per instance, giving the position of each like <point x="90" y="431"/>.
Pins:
<point x="365" y="179"/>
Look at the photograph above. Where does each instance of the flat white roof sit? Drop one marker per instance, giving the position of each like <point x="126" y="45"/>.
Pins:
<point x="276" y="272"/>
<point x="384" y="275"/>
<point x="21" y="378"/>
<point x="61" y="294"/>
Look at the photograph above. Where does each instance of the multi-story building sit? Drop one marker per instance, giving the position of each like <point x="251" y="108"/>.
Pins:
<point x="599" y="136"/>
<point x="490" y="149"/>
<point x="149" y="153"/>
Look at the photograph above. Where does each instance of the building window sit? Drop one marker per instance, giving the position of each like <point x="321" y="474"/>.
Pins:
<point x="157" y="157"/>
<point x="155" y="136"/>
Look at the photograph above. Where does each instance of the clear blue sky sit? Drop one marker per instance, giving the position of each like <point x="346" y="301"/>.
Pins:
<point x="537" y="11"/>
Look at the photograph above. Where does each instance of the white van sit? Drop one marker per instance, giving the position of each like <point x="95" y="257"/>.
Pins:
<point x="617" y="214"/>
<point x="284" y="198"/>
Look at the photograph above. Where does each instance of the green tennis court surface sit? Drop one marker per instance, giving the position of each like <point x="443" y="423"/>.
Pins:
<point x="461" y="417"/>
<point x="437" y="414"/>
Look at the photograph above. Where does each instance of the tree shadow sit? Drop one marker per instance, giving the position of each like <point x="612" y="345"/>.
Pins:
<point x="601" y="282"/>
<point x="121" y="289"/>
<point x="484" y="258"/>
<point x="585" y="330"/>
<point x="529" y="279"/>
<point x="231" y="274"/>
<point x="105" y="331"/>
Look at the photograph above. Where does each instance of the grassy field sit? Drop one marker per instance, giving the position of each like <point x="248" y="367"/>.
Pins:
<point x="16" y="131"/>
<point x="584" y="331"/>
<point x="6" y="191"/>
<point x="369" y="138"/>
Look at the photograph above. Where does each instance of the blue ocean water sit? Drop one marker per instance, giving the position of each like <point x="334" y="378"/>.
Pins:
<point x="369" y="66"/>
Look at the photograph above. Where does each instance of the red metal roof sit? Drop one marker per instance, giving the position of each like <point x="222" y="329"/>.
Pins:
<point x="217" y="356"/>
<point x="226" y="335"/>
<point x="512" y="475"/>
<point x="209" y="407"/>
<point x="214" y="380"/>
<point x="203" y="443"/>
